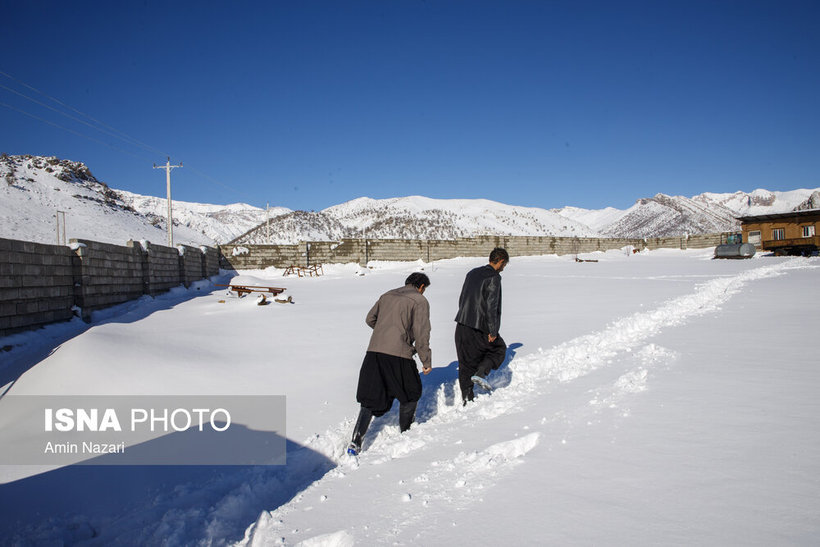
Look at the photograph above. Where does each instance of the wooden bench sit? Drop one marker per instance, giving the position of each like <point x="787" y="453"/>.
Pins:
<point x="242" y="290"/>
<point x="304" y="271"/>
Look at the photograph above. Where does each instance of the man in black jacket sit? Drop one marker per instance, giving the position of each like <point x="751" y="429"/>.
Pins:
<point x="479" y="347"/>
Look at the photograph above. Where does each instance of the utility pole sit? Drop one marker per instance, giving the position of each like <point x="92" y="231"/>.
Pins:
<point x="168" y="168"/>
<point x="61" y="235"/>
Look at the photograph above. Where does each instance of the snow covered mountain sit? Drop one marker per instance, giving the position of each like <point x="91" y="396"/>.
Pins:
<point x="37" y="187"/>
<point x="220" y="223"/>
<point x="414" y="217"/>
<point x="759" y="202"/>
<point x="662" y="215"/>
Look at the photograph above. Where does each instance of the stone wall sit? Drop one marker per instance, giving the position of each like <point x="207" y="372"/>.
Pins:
<point x="41" y="283"/>
<point x="362" y="251"/>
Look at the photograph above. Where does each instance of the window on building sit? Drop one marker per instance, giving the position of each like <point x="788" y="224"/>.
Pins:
<point x="754" y="237"/>
<point x="779" y="234"/>
<point x="808" y="231"/>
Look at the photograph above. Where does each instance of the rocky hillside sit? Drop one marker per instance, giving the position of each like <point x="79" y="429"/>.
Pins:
<point x="663" y="216"/>
<point x="812" y="202"/>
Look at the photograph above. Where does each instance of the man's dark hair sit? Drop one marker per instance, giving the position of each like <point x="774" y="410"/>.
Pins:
<point x="499" y="254"/>
<point x="417" y="279"/>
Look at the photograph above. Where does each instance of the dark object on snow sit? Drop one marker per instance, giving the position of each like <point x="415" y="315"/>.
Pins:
<point x="738" y="250"/>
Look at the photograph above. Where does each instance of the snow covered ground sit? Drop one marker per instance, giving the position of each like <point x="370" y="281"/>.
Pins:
<point x="658" y="398"/>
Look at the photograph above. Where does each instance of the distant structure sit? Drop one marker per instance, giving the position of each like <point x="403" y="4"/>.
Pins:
<point x="793" y="233"/>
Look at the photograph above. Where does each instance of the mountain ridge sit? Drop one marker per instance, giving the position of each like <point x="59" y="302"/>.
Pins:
<point x="38" y="186"/>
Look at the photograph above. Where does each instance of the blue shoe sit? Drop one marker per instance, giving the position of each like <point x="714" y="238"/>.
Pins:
<point x="353" y="449"/>
<point x="482" y="383"/>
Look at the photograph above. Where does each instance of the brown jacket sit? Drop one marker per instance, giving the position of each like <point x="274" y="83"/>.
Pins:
<point x="399" y="319"/>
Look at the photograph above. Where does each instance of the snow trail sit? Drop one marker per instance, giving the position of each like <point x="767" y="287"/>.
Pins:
<point x="446" y="463"/>
<point x="441" y="416"/>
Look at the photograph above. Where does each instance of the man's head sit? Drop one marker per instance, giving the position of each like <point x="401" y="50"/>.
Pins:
<point x="499" y="259"/>
<point x="419" y="280"/>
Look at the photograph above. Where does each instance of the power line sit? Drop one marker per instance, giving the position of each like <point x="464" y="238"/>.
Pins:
<point x="213" y="180"/>
<point x="116" y="133"/>
<point x="110" y="131"/>
<point x="76" y="119"/>
<point x="72" y="131"/>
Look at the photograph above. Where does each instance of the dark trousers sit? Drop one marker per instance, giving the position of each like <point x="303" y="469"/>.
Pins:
<point x="407" y="413"/>
<point x="383" y="378"/>
<point x="477" y="356"/>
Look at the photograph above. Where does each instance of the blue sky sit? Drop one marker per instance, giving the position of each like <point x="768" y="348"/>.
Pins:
<point x="310" y="104"/>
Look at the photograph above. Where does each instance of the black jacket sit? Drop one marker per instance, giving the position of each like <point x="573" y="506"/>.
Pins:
<point x="479" y="305"/>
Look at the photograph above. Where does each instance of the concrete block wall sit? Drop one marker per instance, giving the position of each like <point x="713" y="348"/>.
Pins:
<point x="210" y="261"/>
<point x="362" y="251"/>
<point x="704" y="241"/>
<point x="161" y="268"/>
<point x="190" y="264"/>
<point x="259" y="257"/>
<point x="36" y="284"/>
<point x="108" y="275"/>
<point x="397" y="249"/>
<point x="40" y="283"/>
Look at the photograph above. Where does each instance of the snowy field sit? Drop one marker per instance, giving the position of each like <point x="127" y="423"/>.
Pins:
<point x="659" y="398"/>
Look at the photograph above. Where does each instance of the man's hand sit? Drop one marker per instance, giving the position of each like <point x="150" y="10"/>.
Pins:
<point x="426" y="370"/>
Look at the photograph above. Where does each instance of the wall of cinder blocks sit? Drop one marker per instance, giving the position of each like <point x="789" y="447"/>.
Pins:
<point x="362" y="251"/>
<point x="106" y="275"/>
<point x="42" y="283"/>
<point x="36" y="284"/>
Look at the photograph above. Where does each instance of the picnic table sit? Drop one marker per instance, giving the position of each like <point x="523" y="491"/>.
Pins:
<point x="242" y="290"/>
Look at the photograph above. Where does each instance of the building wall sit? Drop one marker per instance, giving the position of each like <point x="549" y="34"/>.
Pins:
<point x="792" y="227"/>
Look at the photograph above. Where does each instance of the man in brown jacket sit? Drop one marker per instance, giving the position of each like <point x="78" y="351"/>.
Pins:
<point x="400" y="320"/>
